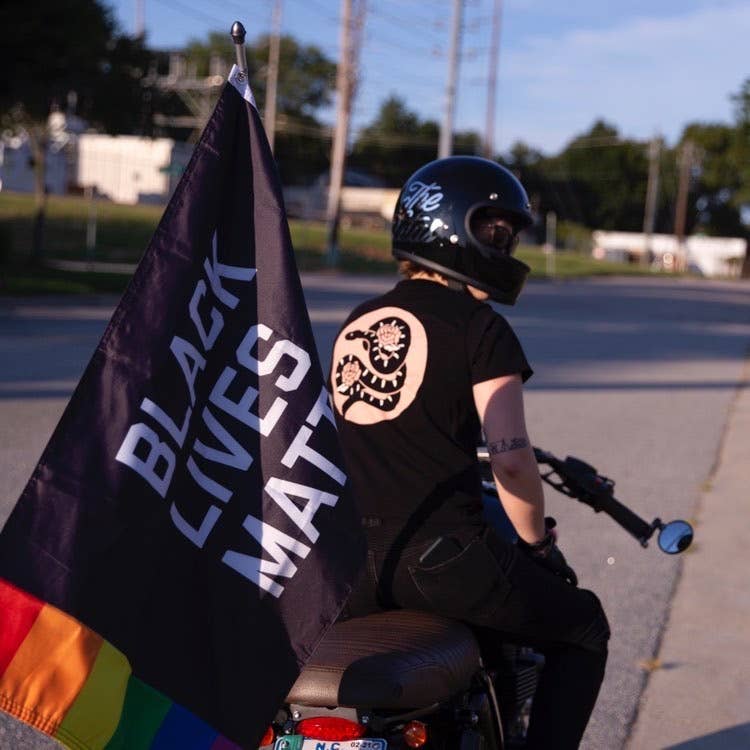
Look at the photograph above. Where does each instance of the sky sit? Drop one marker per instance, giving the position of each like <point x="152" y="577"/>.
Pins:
<point x="648" y="67"/>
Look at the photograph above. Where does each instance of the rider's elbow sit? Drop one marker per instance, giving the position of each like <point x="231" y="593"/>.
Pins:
<point x="510" y="466"/>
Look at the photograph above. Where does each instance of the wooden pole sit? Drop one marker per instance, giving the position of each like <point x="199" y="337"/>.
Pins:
<point x="489" y="128"/>
<point x="652" y="194"/>
<point x="272" y="79"/>
<point x="445" y="145"/>
<point x="346" y="80"/>
<point x="687" y="156"/>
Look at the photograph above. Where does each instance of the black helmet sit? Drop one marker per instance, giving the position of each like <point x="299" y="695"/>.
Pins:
<point x="432" y="223"/>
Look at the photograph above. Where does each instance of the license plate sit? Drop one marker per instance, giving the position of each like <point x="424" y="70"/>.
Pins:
<point x="297" y="742"/>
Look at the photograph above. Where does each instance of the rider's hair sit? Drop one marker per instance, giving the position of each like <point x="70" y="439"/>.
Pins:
<point x="408" y="269"/>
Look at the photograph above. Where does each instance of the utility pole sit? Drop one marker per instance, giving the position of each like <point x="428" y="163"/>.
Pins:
<point x="652" y="194"/>
<point x="140" y="19"/>
<point x="489" y="129"/>
<point x="350" y="36"/>
<point x="445" y="146"/>
<point x="198" y="94"/>
<point x="272" y="77"/>
<point x="685" y="162"/>
<point x="550" y="244"/>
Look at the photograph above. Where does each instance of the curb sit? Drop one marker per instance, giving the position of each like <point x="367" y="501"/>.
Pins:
<point x="698" y="697"/>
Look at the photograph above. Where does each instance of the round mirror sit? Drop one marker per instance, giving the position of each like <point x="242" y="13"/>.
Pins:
<point x="675" y="537"/>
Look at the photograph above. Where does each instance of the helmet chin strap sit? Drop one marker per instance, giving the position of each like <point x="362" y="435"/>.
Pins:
<point x="457" y="286"/>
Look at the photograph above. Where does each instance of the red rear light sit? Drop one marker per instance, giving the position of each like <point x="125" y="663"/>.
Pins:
<point x="268" y="737"/>
<point x="415" y="734"/>
<point x="330" y="728"/>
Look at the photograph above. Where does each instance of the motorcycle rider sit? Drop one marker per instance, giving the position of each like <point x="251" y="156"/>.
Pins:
<point x="417" y="374"/>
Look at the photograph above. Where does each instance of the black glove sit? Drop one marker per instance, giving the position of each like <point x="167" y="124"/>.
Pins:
<point x="548" y="554"/>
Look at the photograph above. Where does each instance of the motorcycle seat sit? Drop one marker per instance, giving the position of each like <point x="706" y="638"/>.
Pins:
<point x="388" y="660"/>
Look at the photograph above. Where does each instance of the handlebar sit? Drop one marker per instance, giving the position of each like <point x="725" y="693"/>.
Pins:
<point x="579" y="480"/>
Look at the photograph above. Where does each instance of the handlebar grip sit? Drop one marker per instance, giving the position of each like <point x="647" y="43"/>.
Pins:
<point x="630" y="521"/>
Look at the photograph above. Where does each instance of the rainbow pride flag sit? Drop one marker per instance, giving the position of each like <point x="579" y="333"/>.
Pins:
<point x="82" y="692"/>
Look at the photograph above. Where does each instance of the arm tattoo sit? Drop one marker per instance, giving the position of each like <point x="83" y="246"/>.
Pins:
<point x="503" y="446"/>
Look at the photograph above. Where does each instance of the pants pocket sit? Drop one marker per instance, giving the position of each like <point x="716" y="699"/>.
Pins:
<point x="469" y="585"/>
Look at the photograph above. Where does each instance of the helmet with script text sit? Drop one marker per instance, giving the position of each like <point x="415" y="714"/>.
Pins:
<point x="461" y="217"/>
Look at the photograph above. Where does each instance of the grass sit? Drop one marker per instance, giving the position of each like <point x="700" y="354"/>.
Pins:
<point x="123" y="233"/>
<point x="26" y="281"/>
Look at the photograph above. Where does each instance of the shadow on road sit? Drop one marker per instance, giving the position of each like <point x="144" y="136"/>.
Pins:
<point x="567" y="329"/>
<point x="627" y="321"/>
<point x="733" y="738"/>
<point x="35" y="393"/>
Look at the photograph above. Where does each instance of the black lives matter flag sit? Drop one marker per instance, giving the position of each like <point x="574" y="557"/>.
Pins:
<point x="186" y="537"/>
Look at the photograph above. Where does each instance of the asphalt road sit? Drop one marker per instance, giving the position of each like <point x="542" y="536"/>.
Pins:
<point x="634" y="376"/>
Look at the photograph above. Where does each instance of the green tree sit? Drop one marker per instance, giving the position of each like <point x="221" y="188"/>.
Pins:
<point x="397" y="142"/>
<point x="597" y="181"/>
<point x="306" y="80"/>
<point x="601" y="178"/>
<point x="52" y="49"/>
<point x="741" y="145"/>
<point x="720" y="189"/>
<point x="741" y="156"/>
<point x="119" y="100"/>
<point x="713" y="204"/>
<point x="521" y="157"/>
<point x="526" y="163"/>
<point x="306" y="76"/>
<point x="199" y="52"/>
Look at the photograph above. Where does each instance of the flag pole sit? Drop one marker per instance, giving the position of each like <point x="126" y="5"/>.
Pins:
<point x="238" y="37"/>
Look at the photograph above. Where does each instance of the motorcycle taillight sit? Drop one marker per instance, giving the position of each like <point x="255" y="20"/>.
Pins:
<point x="330" y="728"/>
<point x="415" y="734"/>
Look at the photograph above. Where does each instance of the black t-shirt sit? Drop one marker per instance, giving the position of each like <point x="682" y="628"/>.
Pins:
<point x="401" y="379"/>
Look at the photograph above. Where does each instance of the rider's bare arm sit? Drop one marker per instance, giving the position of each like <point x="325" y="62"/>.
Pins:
<point x="499" y="404"/>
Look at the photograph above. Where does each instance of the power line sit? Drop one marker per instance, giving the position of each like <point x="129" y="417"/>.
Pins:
<point x="404" y="27"/>
<point x="286" y="124"/>
<point x="431" y="25"/>
<point x="399" y="45"/>
<point x="402" y="76"/>
<point x="192" y="11"/>
<point x="390" y="139"/>
<point x="241" y="8"/>
<point x="597" y="141"/>
<point x="323" y="11"/>
<point x="435" y="21"/>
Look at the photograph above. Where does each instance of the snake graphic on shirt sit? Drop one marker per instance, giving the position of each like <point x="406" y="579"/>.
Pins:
<point x="379" y="363"/>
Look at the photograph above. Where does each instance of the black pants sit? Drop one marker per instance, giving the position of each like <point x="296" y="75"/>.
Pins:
<point x="477" y="577"/>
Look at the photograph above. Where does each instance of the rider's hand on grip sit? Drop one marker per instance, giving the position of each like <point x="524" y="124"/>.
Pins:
<point x="555" y="561"/>
<point x="548" y="554"/>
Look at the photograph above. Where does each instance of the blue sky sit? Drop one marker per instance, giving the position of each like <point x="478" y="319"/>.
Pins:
<point x="646" y="66"/>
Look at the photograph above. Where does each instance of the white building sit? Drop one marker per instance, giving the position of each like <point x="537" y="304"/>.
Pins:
<point x="123" y="168"/>
<point x="709" y="256"/>
<point x="130" y="169"/>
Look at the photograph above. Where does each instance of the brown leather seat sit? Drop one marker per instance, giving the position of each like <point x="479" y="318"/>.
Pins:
<point x="399" y="659"/>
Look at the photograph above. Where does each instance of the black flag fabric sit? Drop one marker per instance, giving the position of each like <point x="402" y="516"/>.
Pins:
<point x="187" y="536"/>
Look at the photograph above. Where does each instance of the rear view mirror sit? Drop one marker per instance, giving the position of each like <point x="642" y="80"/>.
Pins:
<point x="675" y="537"/>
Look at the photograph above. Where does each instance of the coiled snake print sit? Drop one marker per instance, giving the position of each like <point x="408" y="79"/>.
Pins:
<point x="379" y="381"/>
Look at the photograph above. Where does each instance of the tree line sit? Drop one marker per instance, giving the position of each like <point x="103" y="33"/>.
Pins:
<point x="597" y="180"/>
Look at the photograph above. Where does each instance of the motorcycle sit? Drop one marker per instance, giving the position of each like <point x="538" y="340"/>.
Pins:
<point x="409" y="679"/>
